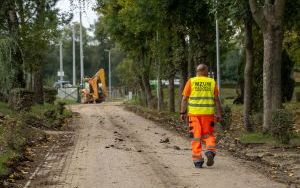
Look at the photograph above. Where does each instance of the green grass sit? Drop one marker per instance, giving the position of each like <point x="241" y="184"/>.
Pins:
<point x="257" y="138"/>
<point x="4" y="158"/>
<point x="4" y="109"/>
<point x="260" y="138"/>
<point x="295" y="140"/>
<point x="39" y="109"/>
<point x="66" y="101"/>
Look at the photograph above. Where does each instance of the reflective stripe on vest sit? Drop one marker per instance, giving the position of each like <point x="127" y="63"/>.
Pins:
<point x="201" y="100"/>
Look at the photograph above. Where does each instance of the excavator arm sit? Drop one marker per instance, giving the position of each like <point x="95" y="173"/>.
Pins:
<point x="102" y="80"/>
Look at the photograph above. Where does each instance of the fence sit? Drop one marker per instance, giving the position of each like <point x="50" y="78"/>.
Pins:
<point x="69" y="93"/>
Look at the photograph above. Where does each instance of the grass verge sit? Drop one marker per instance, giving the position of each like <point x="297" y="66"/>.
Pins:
<point x="19" y="129"/>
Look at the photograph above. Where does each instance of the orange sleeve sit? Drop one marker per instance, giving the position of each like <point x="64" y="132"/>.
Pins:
<point x="187" y="89"/>
<point x="216" y="92"/>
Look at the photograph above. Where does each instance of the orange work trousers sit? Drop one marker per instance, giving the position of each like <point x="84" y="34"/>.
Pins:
<point x="202" y="129"/>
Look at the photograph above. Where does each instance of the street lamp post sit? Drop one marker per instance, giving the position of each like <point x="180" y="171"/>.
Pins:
<point x="218" y="51"/>
<point x="74" y="63"/>
<point x="81" y="49"/>
<point x="109" y="72"/>
<point x="61" y="69"/>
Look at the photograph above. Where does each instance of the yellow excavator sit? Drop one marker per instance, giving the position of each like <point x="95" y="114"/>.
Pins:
<point x="94" y="90"/>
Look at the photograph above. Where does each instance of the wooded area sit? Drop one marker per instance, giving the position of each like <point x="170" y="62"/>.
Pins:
<point x="159" y="40"/>
<point x="167" y="39"/>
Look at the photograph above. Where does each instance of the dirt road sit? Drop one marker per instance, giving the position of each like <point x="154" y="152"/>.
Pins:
<point x="117" y="148"/>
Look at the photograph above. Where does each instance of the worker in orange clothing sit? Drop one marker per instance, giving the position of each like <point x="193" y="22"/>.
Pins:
<point x="200" y="97"/>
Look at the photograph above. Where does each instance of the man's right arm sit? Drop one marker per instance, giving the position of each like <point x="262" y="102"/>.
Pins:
<point x="184" y="102"/>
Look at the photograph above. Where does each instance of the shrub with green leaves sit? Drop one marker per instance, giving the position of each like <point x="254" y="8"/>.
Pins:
<point x="50" y="95"/>
<point x="298" y="96"/>
<point x="61" y="107"/>
<point x="282" y="125"/>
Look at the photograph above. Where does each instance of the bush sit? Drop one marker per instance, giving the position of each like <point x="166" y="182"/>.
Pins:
<point x="61" y="107"/>
<point x="3" y="98"/>
<point x="298" y="96"/>
<point x="282" y="127"/>
<point x="257" y="121"/>
<point x="227" y="117"/>
<point x="50" y="95"/>
<point x="21" y="99"/>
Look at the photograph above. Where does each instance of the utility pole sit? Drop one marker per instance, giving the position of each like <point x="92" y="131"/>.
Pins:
<point x="81" y="48"/>
<point x="218" y="51"/>
<point x="61" y="63"/>
<point x="109" y="73"/>
<point x="74" y="59"/>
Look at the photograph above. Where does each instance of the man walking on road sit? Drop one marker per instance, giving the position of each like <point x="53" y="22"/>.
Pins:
<point x="200" y="97"/>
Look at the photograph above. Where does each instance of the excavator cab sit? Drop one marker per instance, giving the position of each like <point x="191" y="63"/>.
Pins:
<point x="95" y="88"/>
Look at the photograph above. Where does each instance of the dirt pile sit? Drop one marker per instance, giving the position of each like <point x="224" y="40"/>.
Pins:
<point x="14" y="137"/>
<point x="22" y="131"/>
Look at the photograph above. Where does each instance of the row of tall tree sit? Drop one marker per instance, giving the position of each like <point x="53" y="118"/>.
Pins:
<point x="165" y="39"/>
<point x="28" y="28"/>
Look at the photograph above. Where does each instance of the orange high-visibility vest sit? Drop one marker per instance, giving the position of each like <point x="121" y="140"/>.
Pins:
<point x="201" y="99"/>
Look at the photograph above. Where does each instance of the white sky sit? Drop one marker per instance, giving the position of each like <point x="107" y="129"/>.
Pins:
<point x="89" y="16"/>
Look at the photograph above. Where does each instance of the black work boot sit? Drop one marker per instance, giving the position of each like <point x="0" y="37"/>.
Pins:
<point x="198" y="164"/>
<point x="210" y="158"/>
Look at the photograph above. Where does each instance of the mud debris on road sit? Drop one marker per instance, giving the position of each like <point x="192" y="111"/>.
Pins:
<point x="119" y="153"/>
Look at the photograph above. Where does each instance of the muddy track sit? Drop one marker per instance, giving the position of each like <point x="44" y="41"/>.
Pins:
<point x="116" y="148"/>
<point x="166" y="176"/>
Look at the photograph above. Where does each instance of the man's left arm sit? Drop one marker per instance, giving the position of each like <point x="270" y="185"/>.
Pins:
<point x="219" y="108"/>
<point x="218" y="105"/>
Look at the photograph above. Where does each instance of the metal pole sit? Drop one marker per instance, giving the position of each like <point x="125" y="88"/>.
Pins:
<point x="218" y="53"/>
<point x="109" y="73"/>
<point x="158" y="77"/>
<point x="61" y="62"/>
<point x="74" y="63"/>
<point x="81" y="50"/>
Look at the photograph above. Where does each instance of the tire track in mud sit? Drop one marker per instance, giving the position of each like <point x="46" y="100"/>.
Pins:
<point x="166" y="176"/>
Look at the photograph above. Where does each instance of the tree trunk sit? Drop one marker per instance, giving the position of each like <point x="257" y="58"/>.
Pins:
<point x="277" y="55"/>
<point x="148" y="91"/>
<point x="38" y="86"/>
<point x="183" y="68"/>
<point x="270" y="20"/>
<point x="171" y="93"/>
<point x="248" y="72"/>
<point x="143" y="98"/>
<point x="267" y="80"/>
<point x="191" y="66"/>
<point x="17" y="59"/>
<point x="160" y="101"/>
<point x="272" y="73"/>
